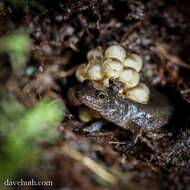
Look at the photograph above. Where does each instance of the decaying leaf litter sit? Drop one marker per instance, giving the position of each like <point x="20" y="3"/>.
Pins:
<point x="60" y="34"/>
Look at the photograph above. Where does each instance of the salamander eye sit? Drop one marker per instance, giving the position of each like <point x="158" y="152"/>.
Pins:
<point x="101" y="95"/>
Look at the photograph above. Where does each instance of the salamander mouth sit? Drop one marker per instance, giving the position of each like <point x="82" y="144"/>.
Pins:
<point x="88" y="100"/>
<point x="94" y="107"/>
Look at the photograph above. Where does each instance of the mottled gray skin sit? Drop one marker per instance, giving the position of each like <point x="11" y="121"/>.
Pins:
<point x="124" y="112"/>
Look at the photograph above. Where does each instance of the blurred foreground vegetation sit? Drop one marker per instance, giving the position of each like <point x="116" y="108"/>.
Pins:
<point x="21" y="126"/>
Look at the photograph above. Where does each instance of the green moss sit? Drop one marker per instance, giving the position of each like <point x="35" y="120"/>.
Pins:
<point x="21" y="128"/>
<point x="16" y="45"/>
<point x="26" y="4"/>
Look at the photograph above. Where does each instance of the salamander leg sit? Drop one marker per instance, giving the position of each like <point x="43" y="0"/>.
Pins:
<point x="95" y="126"/>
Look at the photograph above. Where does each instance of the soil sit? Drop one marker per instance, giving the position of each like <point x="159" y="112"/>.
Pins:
<point x="61" y="33"/>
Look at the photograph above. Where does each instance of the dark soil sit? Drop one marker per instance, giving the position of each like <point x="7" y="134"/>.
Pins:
<point x="61" y="33"/>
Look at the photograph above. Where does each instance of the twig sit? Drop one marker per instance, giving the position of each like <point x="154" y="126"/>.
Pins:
<point x="66" y="73"/>
<point x="162" y="48"/>
<point x="89" y="163"/>
<point x="114" y="142"/>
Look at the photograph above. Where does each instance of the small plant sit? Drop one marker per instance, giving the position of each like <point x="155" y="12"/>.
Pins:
<point x="21" y="128"/>
<point x="25" y="4"/>
<point x="16" y="45"/>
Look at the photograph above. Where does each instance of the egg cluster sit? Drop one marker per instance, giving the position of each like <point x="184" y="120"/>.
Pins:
<point x="115" y="63"/>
